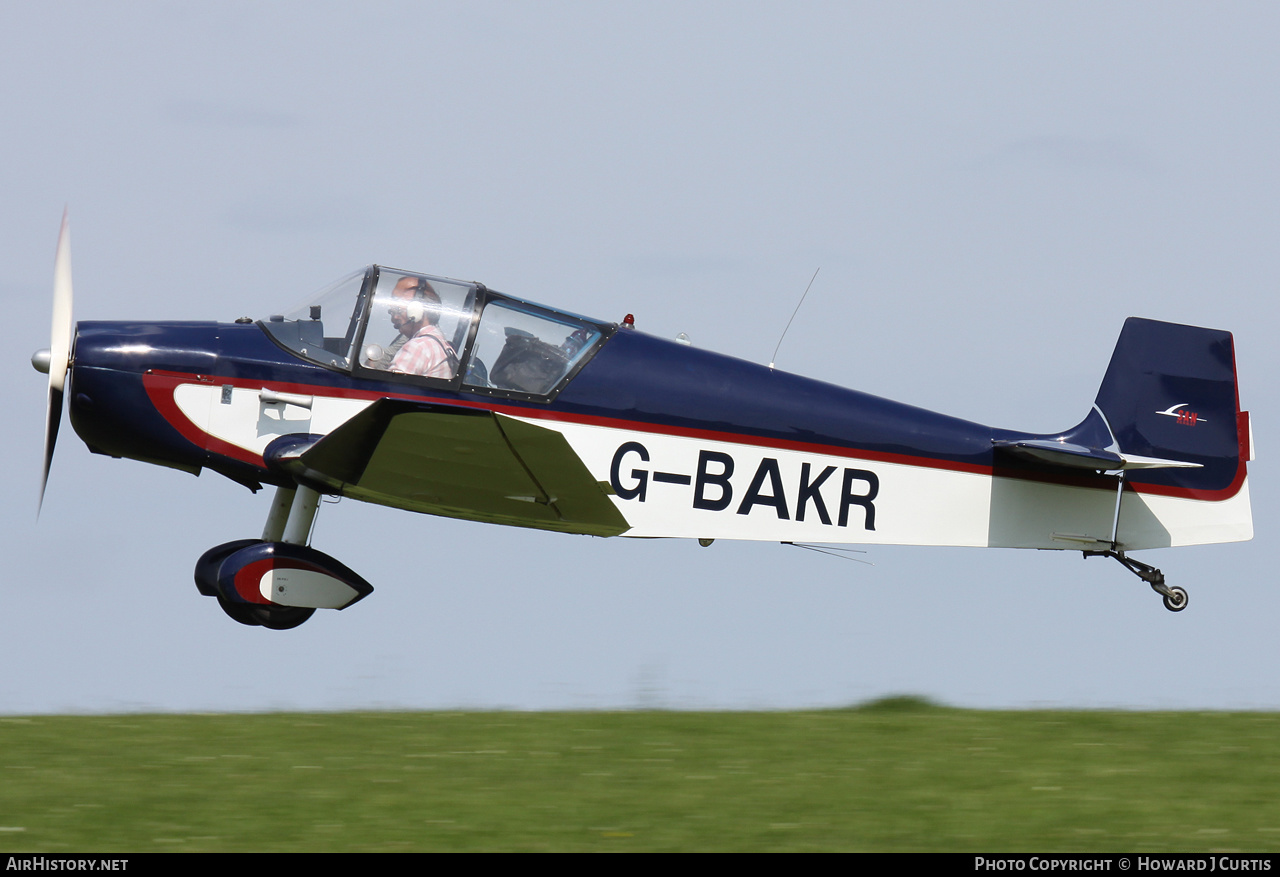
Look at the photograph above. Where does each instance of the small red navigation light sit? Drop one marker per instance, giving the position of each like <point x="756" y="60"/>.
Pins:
<point x="629" y="321"/>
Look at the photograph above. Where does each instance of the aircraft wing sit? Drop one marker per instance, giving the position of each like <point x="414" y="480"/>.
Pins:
<point x="457" y="462"/>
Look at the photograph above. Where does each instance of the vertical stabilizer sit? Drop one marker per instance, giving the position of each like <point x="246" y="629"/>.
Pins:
<point x="1170" y="393"/>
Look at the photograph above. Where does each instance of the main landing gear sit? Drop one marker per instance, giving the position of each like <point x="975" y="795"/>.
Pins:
<point x="1175" y="599"/>
<point x="278" y="581"/>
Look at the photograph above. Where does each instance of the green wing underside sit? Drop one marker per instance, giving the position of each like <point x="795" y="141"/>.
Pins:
<point x="462" y="463"/>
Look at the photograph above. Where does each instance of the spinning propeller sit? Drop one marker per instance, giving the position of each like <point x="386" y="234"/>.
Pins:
<point x="57" y="357"/>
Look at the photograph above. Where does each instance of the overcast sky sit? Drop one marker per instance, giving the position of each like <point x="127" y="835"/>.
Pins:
<point x="989" y="189"/>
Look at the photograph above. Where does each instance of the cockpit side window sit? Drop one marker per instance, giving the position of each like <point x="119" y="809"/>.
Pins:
<point x="418" y="325"/>
<point x="523" y="348"/>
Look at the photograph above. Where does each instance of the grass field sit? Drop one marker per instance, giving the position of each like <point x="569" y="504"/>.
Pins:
<point x="895" y="775"/>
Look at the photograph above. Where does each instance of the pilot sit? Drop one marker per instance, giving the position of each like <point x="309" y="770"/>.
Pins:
<point x="403" y="289"/>
<point x="421" y="348"/>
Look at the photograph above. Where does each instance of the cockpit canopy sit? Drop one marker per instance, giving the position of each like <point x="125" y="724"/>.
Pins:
<point x="421" y="328"/>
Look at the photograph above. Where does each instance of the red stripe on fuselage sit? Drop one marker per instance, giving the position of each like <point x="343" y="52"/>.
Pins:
<point x="160" y="387"/>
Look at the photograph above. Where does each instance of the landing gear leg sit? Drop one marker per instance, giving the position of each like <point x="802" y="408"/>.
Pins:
<point x="293" y="510"/>
<point x="278" y="516"/>
<point x="279" y="581"/>
<point x="1175" y="599"/>
<point x="302" y="513"/>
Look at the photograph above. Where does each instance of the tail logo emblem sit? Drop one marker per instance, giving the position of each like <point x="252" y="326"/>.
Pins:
<point x="1185" y="418"/>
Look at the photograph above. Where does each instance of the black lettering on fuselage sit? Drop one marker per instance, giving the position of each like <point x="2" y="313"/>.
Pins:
<point x="848" y="497"/>
<point x="721" y="480"/>
<point x="768" y="467"/>
<point x="637" y="490"/>
<point x="671" y="478"/>
<point x="810" y="491"/>
<point x="713" y="487"/>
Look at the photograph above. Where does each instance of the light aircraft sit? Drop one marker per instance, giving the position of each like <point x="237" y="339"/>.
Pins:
<point x="448" y="398"/>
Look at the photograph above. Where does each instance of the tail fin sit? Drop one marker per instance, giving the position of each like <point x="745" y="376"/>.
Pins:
<point x="1170" y="394"/>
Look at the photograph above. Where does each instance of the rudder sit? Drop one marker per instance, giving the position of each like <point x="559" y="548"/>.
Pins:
<point x="1170" y="393"/>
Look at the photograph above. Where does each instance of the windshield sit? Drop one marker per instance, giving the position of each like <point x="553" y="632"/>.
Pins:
<point x="303" y="329"/>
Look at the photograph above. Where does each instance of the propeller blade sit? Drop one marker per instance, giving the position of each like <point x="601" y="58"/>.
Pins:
<point x="60" y="330"/>
<point x="59" y="348"/>
<point x="53" y="419"/>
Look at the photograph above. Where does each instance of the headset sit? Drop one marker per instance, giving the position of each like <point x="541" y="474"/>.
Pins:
<point x="416" y="307"/>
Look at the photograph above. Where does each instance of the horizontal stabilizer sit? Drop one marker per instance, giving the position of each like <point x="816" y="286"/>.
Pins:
<point x="1073" y="456"/>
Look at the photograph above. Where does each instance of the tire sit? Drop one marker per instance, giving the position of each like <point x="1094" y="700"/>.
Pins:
<point x="241" y="612"/>
<point x="286" y="618"/>
<point x="270" y="617"/>
<point x="1176" y="600"/>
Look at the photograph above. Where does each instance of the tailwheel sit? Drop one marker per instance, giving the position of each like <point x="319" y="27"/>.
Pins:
<point x="1175" y="600"/>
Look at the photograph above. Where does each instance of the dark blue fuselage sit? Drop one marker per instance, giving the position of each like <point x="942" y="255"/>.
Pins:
<point x="634" y="380"/>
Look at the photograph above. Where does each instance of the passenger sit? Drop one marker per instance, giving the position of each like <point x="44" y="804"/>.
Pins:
<point x="421" y="348"/>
